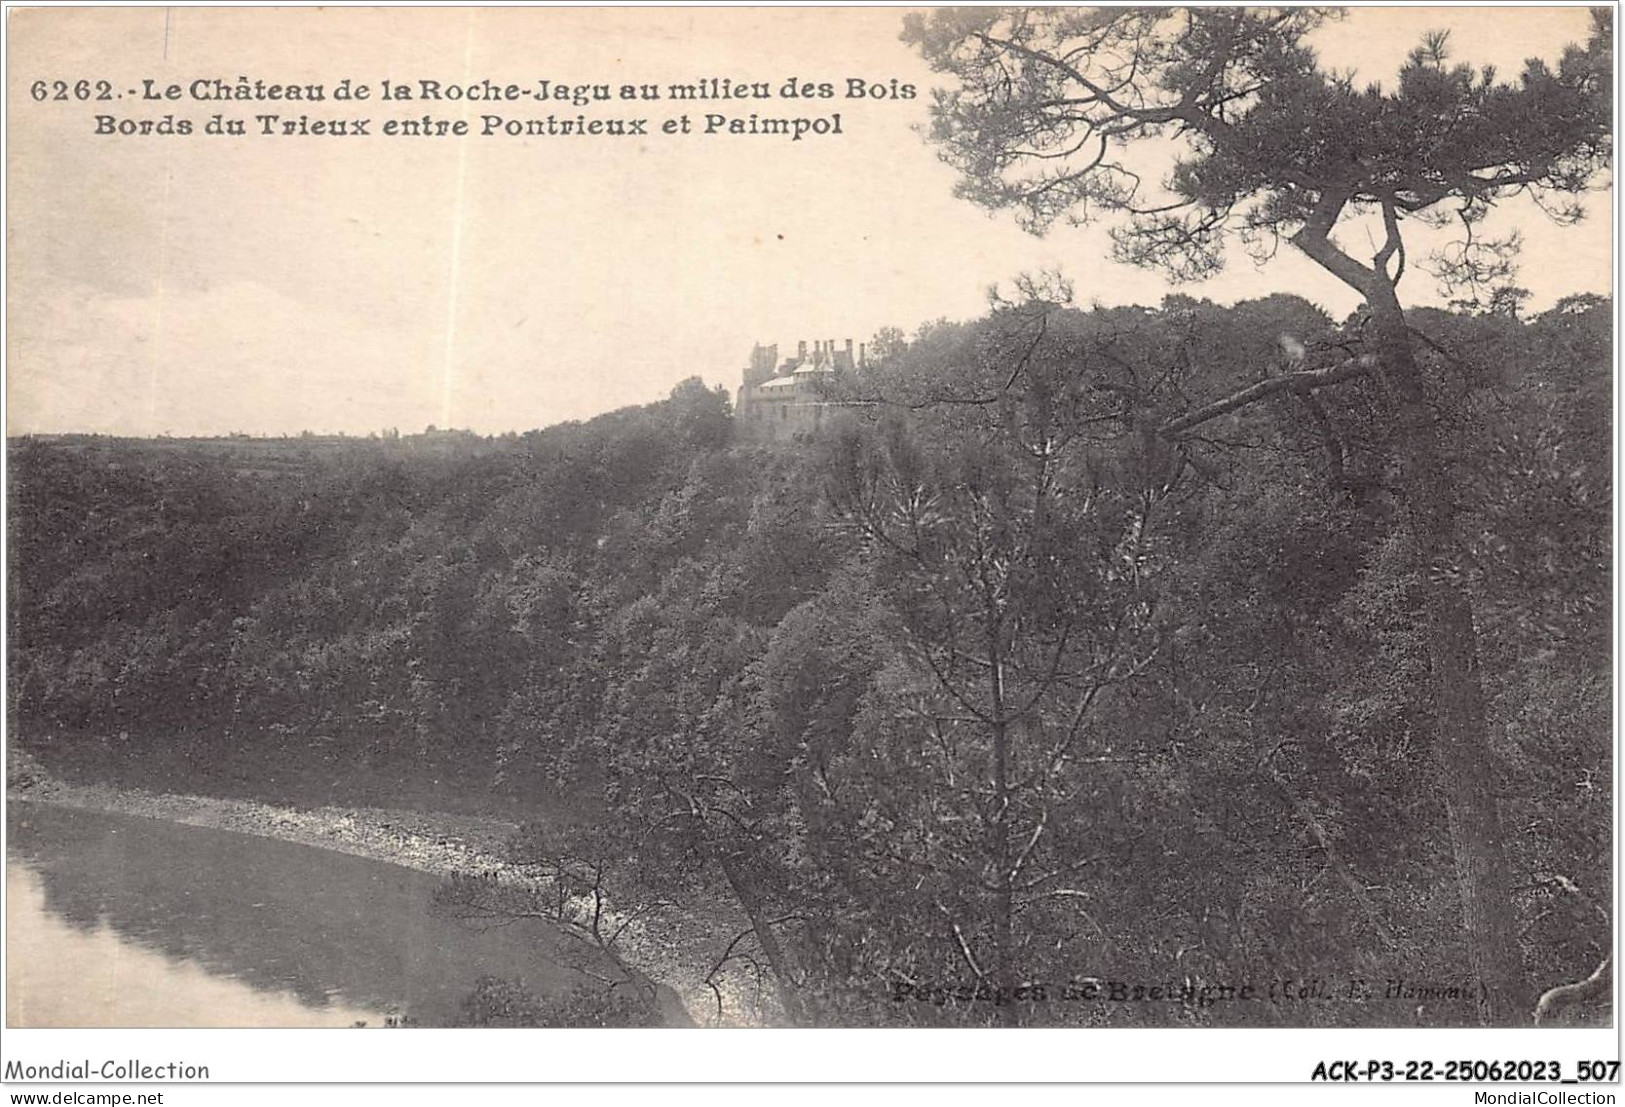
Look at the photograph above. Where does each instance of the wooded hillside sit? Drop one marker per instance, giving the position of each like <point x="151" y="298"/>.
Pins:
<point x="1011" y="679"/>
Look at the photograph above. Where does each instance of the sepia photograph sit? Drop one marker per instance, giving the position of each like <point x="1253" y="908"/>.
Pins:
<point x="1051" y="518"/>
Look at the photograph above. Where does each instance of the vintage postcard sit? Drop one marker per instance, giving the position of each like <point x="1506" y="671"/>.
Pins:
<point x="1056" y="519"/>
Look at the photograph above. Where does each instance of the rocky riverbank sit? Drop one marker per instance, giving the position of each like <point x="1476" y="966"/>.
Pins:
<point x="672" y="950"/>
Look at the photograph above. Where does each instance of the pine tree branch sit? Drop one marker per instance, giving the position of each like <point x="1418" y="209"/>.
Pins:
<point x="1301" y="382"/>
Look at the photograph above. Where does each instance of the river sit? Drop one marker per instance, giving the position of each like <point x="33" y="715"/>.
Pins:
<point x="116" y="920"/>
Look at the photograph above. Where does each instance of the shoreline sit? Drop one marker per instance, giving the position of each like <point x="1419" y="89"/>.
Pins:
<point x="427" y="843"/>
<point x="666" y="949"/>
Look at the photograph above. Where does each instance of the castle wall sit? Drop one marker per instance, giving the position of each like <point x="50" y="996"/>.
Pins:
<point x="781" y="413"/>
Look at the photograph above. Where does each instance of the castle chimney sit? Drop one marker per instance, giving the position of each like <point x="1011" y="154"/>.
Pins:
<point x="801" y="350"/>
<point x="863" y="356"/>
<point x="849" y="350"/>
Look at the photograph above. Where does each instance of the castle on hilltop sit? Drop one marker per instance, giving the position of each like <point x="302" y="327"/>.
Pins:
<point x="782" y="400"/>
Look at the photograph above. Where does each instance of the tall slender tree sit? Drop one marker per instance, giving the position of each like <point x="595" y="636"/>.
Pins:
<point x="1018" y="557"/>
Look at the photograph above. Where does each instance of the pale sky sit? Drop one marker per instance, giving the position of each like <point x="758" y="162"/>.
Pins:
<point x="204" y="284"/>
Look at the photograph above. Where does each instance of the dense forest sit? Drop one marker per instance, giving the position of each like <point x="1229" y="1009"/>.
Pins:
<point x="1010" y="675"/>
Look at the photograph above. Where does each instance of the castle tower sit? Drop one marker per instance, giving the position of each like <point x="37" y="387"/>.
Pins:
<point x="764" y="362"/>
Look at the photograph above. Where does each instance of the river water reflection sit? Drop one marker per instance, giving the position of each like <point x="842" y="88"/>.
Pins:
<point x="114" y="920"/>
